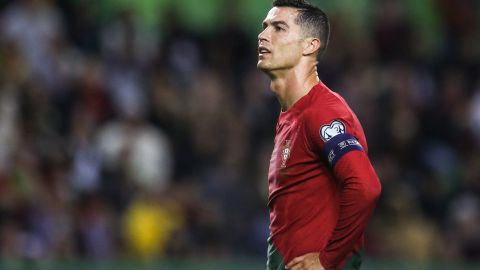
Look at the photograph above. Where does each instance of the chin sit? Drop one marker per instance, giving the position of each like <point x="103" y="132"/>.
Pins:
<point x="262" y="66"/>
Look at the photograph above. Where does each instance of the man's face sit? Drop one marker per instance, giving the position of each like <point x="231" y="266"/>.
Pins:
<point x="280" y="42"/>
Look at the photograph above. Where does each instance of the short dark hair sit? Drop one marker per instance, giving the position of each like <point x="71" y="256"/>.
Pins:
<point x="312" y="19"/>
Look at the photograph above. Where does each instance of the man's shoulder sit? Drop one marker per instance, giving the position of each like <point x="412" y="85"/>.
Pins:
<point x="326" y="104"/>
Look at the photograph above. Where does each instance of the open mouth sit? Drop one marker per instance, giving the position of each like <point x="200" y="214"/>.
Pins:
<point x="262" y="50"/>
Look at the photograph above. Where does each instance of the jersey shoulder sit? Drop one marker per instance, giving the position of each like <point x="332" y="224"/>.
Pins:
<point x="329" y="116"/>
<point x="327" y="106"/>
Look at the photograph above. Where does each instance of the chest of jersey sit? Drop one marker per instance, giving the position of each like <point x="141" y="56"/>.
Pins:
<point x="292" y="158"/>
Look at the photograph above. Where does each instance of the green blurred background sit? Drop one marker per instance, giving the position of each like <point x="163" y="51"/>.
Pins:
<point x="136" y="134"/>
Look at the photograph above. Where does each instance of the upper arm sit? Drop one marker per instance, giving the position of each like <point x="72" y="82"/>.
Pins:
<point x="332" y="135"/>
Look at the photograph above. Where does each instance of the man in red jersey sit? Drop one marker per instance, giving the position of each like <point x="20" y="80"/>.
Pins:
<point x="322" y="187"/>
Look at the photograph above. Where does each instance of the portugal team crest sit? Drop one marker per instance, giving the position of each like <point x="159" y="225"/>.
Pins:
<point x="285" y="153"/>
<point x="333" y="129"/>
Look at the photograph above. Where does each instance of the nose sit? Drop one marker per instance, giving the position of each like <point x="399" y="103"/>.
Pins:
<point x="262" y="36"/>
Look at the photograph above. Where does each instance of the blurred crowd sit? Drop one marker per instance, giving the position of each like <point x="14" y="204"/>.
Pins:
<point x="123" y="141"/>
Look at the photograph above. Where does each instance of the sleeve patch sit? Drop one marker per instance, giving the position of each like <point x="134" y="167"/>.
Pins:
<point x="338" y="146"/>
<point x="331" y="130"/>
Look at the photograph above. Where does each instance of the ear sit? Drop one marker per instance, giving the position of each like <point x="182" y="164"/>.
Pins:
<point x="311" y="46"/>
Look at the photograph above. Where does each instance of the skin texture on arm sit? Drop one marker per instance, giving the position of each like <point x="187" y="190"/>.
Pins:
<point x="310" y="261"/>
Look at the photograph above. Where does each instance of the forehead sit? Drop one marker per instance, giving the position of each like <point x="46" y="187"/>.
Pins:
<point x="286" y="14"/>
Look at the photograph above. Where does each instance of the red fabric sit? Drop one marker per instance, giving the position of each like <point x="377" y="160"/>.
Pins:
<point x="360" y="191"/>
<point x="312" y="207"/>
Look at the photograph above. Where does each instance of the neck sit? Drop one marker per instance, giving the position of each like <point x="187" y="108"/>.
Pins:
<point x="291" y="85"/>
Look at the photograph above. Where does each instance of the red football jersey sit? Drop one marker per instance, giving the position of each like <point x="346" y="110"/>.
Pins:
<point x="305" y="189"/>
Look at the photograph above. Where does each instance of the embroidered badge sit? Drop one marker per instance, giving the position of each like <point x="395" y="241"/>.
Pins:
<point x="331" y="130"/>
<point x="285" y="153"/>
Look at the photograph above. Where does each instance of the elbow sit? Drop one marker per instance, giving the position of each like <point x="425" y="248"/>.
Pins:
<point x="373" y="191"/>
<point x="369" y="190"/>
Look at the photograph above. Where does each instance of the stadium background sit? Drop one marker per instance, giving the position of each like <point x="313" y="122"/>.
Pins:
<point x="136" y="134"/>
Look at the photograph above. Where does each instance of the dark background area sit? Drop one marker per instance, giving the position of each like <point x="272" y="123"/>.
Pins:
<point x="142" y="129"/>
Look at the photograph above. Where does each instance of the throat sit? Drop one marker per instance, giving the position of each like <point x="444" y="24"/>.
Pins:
<point x="288" y="92"/>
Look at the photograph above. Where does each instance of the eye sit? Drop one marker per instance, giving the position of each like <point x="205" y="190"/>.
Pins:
<point x="279" y="27"/>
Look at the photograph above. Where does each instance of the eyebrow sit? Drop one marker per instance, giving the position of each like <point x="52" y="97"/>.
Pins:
<point x="276" y="23"/>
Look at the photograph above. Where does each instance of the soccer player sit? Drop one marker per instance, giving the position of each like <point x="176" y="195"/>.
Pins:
<point x="322" y="187"/>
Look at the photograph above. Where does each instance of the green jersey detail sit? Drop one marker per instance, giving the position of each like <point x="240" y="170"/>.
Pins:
<point x="274" y="259"/>
<point x="354" y="262"/>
